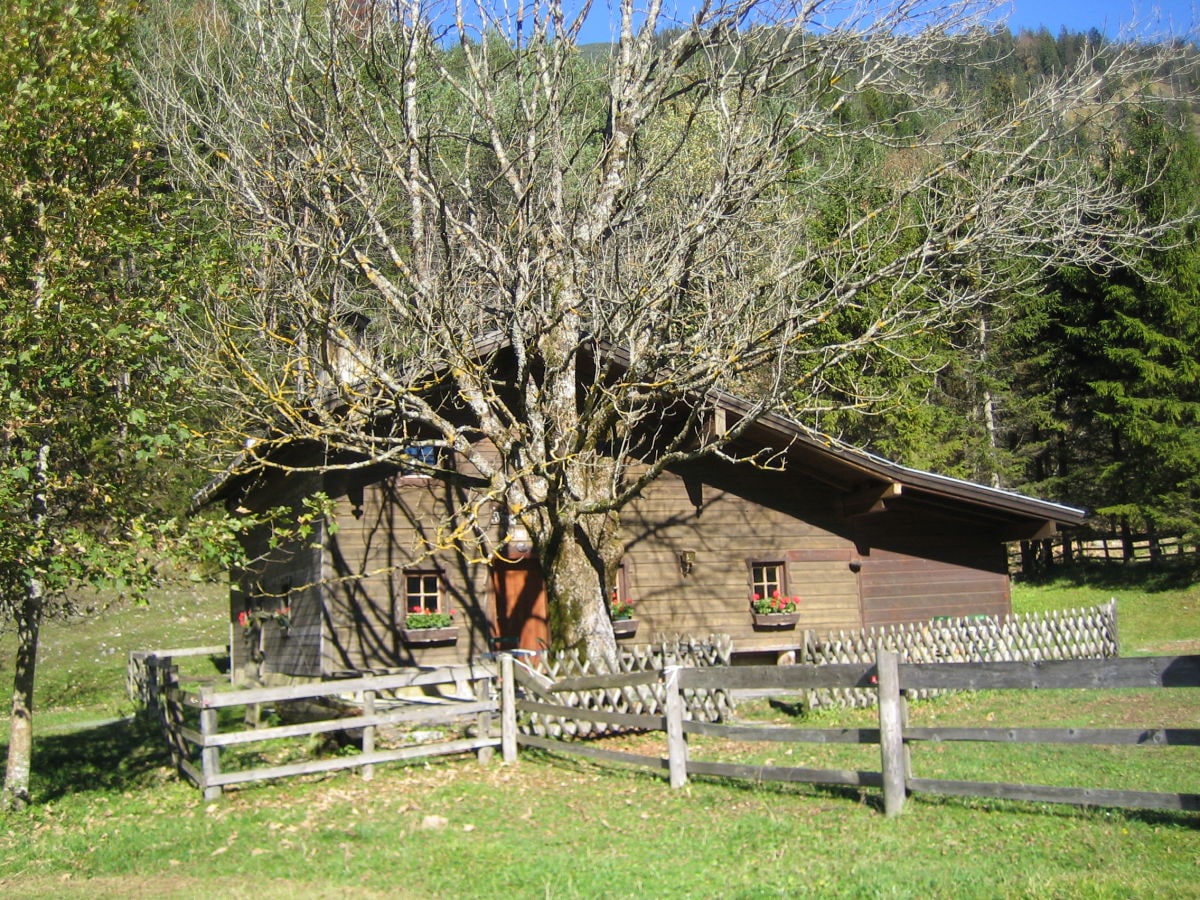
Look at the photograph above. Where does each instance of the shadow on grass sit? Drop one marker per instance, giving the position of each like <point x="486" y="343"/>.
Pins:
<point x="872" y="797"/>
<point x="1150" y="577"/>
<point x="112" y="757"/>
<point x="851" y="794"/>
<point x="1186" y="819"/>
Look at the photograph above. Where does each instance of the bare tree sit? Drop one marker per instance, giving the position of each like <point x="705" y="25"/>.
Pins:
<point x="411" y="188"/>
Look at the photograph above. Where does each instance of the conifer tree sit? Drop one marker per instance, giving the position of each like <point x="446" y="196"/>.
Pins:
<point x="1109" y="361"/>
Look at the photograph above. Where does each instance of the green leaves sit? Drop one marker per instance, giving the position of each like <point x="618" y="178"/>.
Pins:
<point x="1116" y="372"/>
<point x="88" y="366"/>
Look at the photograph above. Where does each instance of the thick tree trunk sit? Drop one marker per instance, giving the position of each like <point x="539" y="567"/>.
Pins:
<point x="576" y="586"/>
<point x="1127" y="551"/>
<point x="20" y="742"/>
<point x="573" y="541"/>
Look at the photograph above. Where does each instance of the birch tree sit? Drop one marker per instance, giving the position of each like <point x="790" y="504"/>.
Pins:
<point x="418" y="188"/>
<point x="89" y="385"/>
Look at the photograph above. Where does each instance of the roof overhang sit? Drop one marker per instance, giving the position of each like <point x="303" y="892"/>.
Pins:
<point x="870" y="484"/>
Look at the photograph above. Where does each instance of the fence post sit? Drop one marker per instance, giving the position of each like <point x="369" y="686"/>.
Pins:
<point x="136" y="687"/>
<point x="891" y="731"/>
<point x="483" y="691"/>
<point x="368" y="735"/>
<point x="210" y="762"/>
<point x="1116" y="632"/>
<point x="677" y="750"/>
<point x="508" y="709"/>
<point x="160" y="681"/>
<point x="170" y="708"/>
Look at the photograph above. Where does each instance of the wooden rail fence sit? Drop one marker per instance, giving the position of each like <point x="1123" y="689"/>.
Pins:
<point x="370" y="706"/>
<point x="891" y="680"/>
<point x="192" y="720"/>
<point x="146" y="668"/>
<point x="646" y="697"/>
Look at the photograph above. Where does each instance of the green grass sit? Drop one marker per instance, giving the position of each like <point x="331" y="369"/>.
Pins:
<point x="1158" y="611"/>
<point x="559" y="828"/>
<point x="82" y="662"/>
<point x="112" y="820"/>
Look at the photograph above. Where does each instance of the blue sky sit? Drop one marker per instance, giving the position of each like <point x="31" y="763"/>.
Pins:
<point x="1175" y="16"/>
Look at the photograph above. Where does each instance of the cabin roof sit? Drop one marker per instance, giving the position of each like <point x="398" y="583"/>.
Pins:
<point x="868" y="483"/>
<point x="854" y="470"/>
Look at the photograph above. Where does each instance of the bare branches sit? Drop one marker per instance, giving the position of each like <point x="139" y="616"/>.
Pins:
<point x="703" y="201"/>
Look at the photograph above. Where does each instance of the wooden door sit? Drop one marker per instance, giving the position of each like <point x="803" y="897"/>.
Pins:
<point x="520" y="620"/>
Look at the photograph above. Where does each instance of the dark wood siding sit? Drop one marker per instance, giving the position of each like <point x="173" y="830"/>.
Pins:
<point x="402" y="525"/>
<point x="288" y="575"/>
<point x="729" y="516"/>
<point x="914" y="570"/>
<point x="896" y="566"/>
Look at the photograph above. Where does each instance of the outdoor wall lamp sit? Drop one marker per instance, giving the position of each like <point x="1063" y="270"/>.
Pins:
<point x="687" y="561"/>
<point x="519" y="541"/>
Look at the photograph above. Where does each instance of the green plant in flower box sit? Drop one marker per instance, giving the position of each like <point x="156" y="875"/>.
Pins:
<point x="775" y="605"/>
<point x="418" y="618"/>
<point x="621" y="609"/>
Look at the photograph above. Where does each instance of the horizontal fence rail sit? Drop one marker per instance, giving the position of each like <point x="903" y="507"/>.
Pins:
<point x="890" y="680"/>
<point x="1130" y="672"/>
<point x="542" y="697"/>
<point x="367" y="706"/>
<point x="639" y="696"/>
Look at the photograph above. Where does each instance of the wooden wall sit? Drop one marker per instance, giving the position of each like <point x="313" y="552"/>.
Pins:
<point x="288" y="575"/>
<point x="347" y="601"/>
<point x="915" y="569"/>
<point x="878" y="570"/>
<point x="401" y="524"/>
<point x="730" y="517"/>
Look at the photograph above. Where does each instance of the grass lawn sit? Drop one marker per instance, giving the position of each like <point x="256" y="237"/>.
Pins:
<point x="81" y="663"/>
<point x="112" y="820"/>
<point x="1158" y="613"/>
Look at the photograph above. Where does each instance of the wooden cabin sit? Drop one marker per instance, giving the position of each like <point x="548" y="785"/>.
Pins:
<point x="862" y="542"/>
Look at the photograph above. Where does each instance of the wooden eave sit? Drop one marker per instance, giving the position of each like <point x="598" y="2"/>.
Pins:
<point x="872" y="485"/>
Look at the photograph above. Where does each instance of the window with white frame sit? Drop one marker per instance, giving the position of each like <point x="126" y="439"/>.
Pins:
<point x="767" y="578"/>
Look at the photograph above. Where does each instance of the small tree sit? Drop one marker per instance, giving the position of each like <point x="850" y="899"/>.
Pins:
<point x="405" y="180"/>
<point x="87" y="372"/>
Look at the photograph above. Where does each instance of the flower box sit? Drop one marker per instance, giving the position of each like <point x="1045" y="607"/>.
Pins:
<point x="775" y="620"/>
<point x="623" y="628"/>
<point x="421" y="636"/>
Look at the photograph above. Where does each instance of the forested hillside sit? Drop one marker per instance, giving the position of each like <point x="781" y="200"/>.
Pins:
<point x="879" y="227"/>
<point x="1084" y="388"/>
